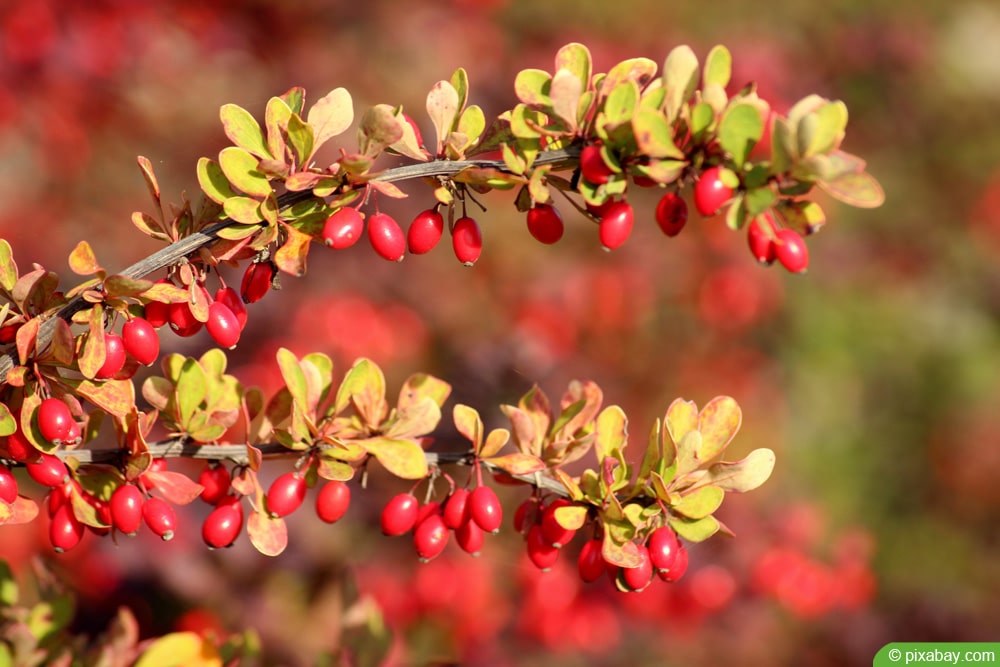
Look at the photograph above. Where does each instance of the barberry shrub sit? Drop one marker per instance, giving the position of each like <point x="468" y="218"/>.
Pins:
<point x="574" y="139"/>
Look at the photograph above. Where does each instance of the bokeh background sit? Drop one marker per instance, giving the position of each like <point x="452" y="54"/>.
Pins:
<point x="874" y="377"/>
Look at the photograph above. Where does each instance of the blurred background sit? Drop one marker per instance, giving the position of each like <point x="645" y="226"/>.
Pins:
<point x="874" y="376"/>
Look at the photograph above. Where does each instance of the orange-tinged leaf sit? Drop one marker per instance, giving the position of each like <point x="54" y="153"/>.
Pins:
<point x="571" y="517"/>
<point x="574" y="490"/>
<point x="22" y="510"/>
<point x="420" y="386"/>
<point x="180" y="649"/>
<point x="469" y="424"/>
<point x="364" y="386"/>
<point x="291" y="256"/>
<point x="718" y="422"/>
<point x="93" y="353"/>
<point x="62" y="347"/>
<point x="402" y="458"/>
<point x="612" y="432"/>
<point x="417" y="420"/>
<point x="25" y="339"/>
<point x="861" y="190"/>
<point x="82" y="260"/>
<point x="621" y="554"/>
<point x="495" y="440"/>
<point x="331" y="115"/>
<point x="147" y="175"/>
<point x="526" y="437"/>
<point x="268" y="535"/>
<point x="517" y="463"/>
<point x="116" y="397"/>
<point x="681" y="417"/>
<point x="176" y="488"/>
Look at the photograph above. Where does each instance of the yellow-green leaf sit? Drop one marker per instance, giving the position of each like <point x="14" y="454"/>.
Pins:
<point x="718" y="422"/>
<point x="213" y="181"/>
<point x="680" y="78"/>
<point x="744" y="475"/>
<point x="8" y="268"/>
<point x="571" y="517"/>
<point x="694" y="530"/>
<point x="718" y="66"/>
<point x="242" y="170"/>
<point x="612" y="432"/>
<point x="243" y="130"/>
<point x="517" y="463"/>
<point x="469" y="424"/>
<point x="180" y="649"/>
<point x="82" y="260"/>
<point x="495" y="441"/>
<point x="699" y="503"/>
<point x="402" y="458"/>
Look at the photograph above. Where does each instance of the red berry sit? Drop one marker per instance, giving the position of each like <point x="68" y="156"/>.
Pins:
<point x="671" y="213"/>
<point x="637" y="578"/>
<point x="103" y="511"/>
<point x="470" y="537"/>
<point x="791" y="250"/>
<point x="545" y="223"/>
<point x="126" y="508"/>
<point x="222" y="325"/>
<point x="160" y="517"/>
<point x="48" y="470"/>
<point x="592" y="165"/>
<point x="430" y="537"/>
<point x="65" y="530"/>
<point x="456" y="509"/>
<point x="19" y="448"/>
<point x="616" y="224"/>
<point x="286" y="494"/>
<point x="521" y="513"/>
<point x="485" y="509"/>
<point x="157" y="313"/>
<point x="425" y="231"/>
<point x="258" y="280"/>
<point x="542" y="554"/>
<point x="61" y="495"/>
<point x="332" y="501"/>
<point x="114" y="357"/>
<point x="8" y="485"/>
<point x="228" y="296"/>
<point x="433" y="507"/>
<point x="141" y="341"/>
<point x="678" y="568"/>
<point x="553" y="532"/>
<point x="343" y="228"/>
<point x="761" y="234"/>
<point x="710" y="192"/>
<point x="223" y="524"/>
<point x="55" y="421"/>
<point x="386" y="237"/>
<point x="591" y="564"/>
<point x="182" y="320"/>
<point x="215" y="481"/>
<point x="467" y="240"/>
<point x="8" y="334"/>
<point x="663" y="546"/>
<point x="400" y="514"/>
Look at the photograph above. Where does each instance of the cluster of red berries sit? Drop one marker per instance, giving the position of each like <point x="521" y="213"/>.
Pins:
<point x="662" y="553"/>
<point x="345" y="227"/>
<point x="471" y="514"/>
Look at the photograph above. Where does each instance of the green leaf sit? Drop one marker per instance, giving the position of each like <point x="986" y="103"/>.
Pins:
<point x="442" y="107"/>
<point x="718" y="66"/>
<point x="699" y="503"/>
<point x="191" y="389"/>
<point x="8" y="586"/>
<point x="784" y="152"/>
<point x="653" y="135"/>
<point x="702" y="118"/>
<point x="740" y="128"/>
<point x="364" y="385"/>
<point x="402" y="458"/>
<point x="694" y="530"/>
<point x="276" y="116"/>
<point x="612" y="432"/>
<point x="517" y="463"/>
<point x="300" y="136"/>
<point x="531" y="87"/>
<point x="637" y="71"/>
<point x="243" y="130"/>
<point x="8" y="268"/>
<point x="243" y="209"/>
<point x="8" y="424"/>
<point x="680" y="79"/>
<point x="758" y="200"/>
<point x="822" y="130"/>
<point x="861" y="190"/>
<point x="575" y="58"/>
<point x="744" y="475"/>
<point x="805" y="217"/>
<point x="621" y="103"/>
<point x="653" y="453"/>
<point x="241" y="169"/>
<point x="293" y="377"/>
<point x="460" y="82"/>
<point x="213" y="181"/>
<point x="331" y="116"/>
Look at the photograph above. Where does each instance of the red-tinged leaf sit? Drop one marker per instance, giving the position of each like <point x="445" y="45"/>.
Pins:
<point x="536" y="404"/>
<point x="718" y="422"/>
<point x="517" y="463"/>
<point x="148" y="225"/>
<point x="612" y="432"/>
<point x="402" y="458"/>
<point x="176" y="488"/>
<point x="116" y="397"/>
<point x="291" y="256"/>
<point x="22" y="510"/>
<point x="94" y="351"/>
<point x="25" y="339"/>
<point x="469" y="424"/>
<point x="245" y="482"/>
<point x="379" y="128"/>
<point x="62" y="347"/>
<point x="744" y="475"/>
<point x="165" y="293"/>
<point x="331" y="115"/>
<point x="416" y="421"/>
<point x="420" y="386"/>
<point x="587" y="392"/>
<point x="638" y="70"/>
<point x="388" y="189"/>
<point x="82" y="260"/>
<point x="276" y="115"/>
<point x="495" y="440"/>
<point x="269" y="535"/>
<point x="85" y="512"/>
<point x="523" y="428"/>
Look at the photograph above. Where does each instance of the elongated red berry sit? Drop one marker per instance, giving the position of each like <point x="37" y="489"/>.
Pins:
<point x="65" y="530"/>
<point x="126" y="508"/>
<point x="470" y="537"/>
<point x="386" y="237"/>
<point x="677" y="569"/>
<point x="521" y="513"/>
<point x="425" y="231"/>
<point x="55" y="421"/>
<point x="141" y="340"/>
<point x="19" y="448"/>
<point x="637" y="578"/>
<point x="286" y="494"/>
<point x="616" y="224"/>
<point x="343" y="228"/>
<point x="8" y="485"/>
<point x="593" y="168"/>
<point x="157" y="312"/>
<point x="467" y="240"/>
<point x="48" y="470"/>
<point x="400" y="514"/>
<point x="663" y="547"/>
<point x="228" y="296"/>
<point x="215" y="481"/>
<point x="791" y="250"/>
<point x="222" y="325"/>
<point x="711" y="192"/>
<point x="160" y="517"/>
<point x="223" y="524"/>
<point x="182" y="320"/>
<point x="258" y="280"/>
<point x="671" y="213"/>
<point x="553" y="532"/>
<point x="485" y="509"/>
<point x="332" y="501"/>
<point x="430" y="537"/>
<point x="545" y="223"/>
<point x="542" y="554"/>
<point x="761" y="234"/>
<point x="114" y="357"/>
<point x="591" y="564"/>
<point x="456" y="509"/>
